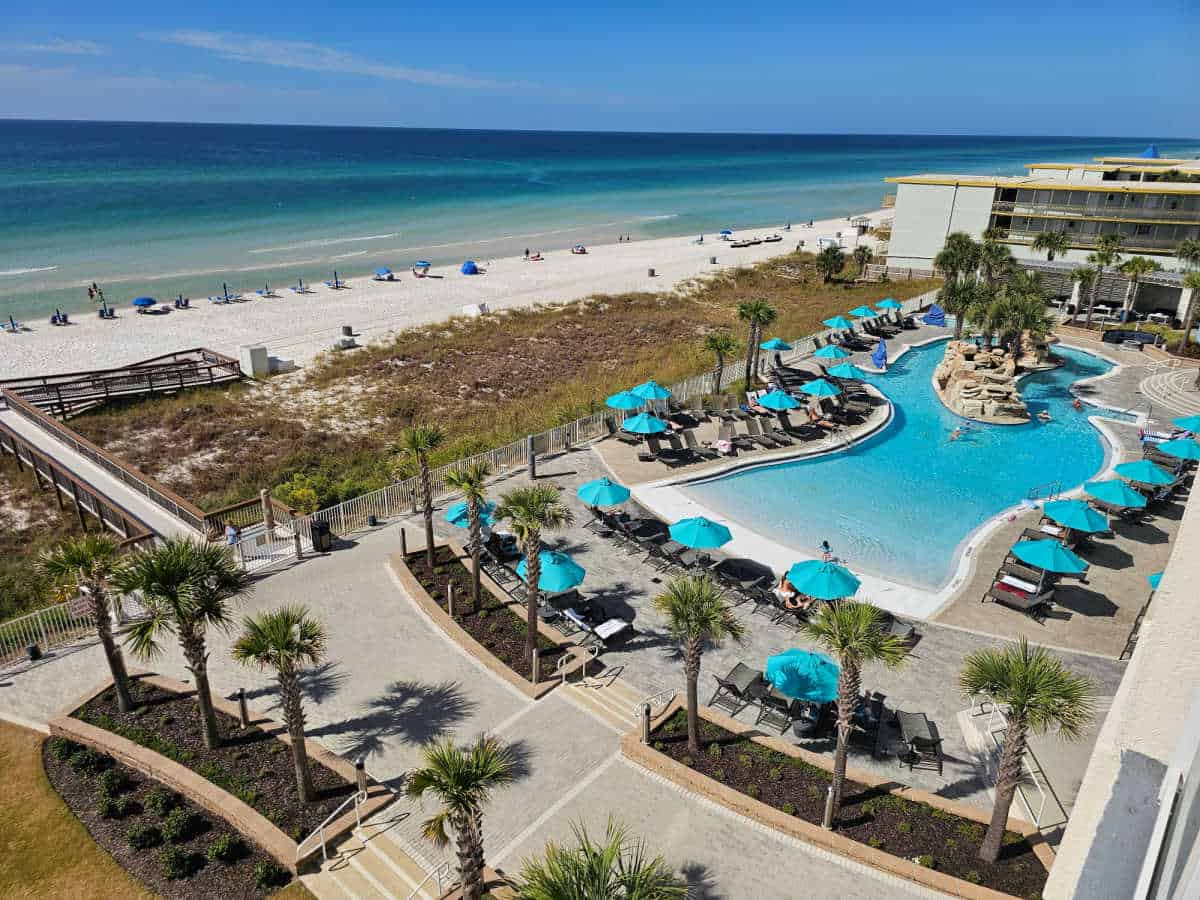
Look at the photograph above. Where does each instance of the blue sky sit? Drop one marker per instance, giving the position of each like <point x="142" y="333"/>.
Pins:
<point x="1012" y="68"/>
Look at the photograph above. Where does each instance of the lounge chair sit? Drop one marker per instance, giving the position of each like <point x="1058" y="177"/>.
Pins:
<point x="738" y="689"/>
<point x="738" y="441"/>
<point x="613" y="431"/>
<point x="898" y="628"/>
<point x="703" y="453"/>
<point x="600" y="630"/>
<point x="775" y="709"/>
<point x="1035" y="605"/>
<point x="751" y="434"/>
<point x="924" y="742"/>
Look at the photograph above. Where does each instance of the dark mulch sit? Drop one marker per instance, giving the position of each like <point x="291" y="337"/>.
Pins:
<point x="869" y="815"/>
<point x="250" y="764"/>
<point x="233" y="880"/>
<point x="494" y="625"/>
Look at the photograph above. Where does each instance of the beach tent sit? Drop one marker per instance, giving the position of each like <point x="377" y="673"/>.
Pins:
<point x="726" y="231"/>
<point x="469" y="268"/>
<point x="144" y="302"/>
<point x="879" y="355"/>
<point x="936" y="316"/>
<point x="383" y="272"/>
<point x="1150" y="152"/>
<point x="822" y="580"/>
<point x="846" y="370"/>
<point x="778" y="400"/>
<point x="775" y="344"/>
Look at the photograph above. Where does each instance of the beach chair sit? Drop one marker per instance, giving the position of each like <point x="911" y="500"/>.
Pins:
<point x="738" y="689"/>
<point x="703" y="453"/>
<point x="755" y="431"/>
<point x="924" y="742"/>
<point x="613" y="431"/>
<point x="775" y="709"/>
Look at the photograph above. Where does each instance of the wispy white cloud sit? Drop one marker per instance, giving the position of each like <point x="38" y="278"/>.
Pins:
<point x="311" y="57"/>
<point x="60" y="45"/>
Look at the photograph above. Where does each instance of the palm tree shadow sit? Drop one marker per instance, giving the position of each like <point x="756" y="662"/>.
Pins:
<point x="318" y="684"/>
<point x="700" y="883"/>
<point x="408" y="711"/>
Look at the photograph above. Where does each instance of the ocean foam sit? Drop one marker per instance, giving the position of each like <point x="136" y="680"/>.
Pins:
<point x="326" y="242"/>
<point x="11" y="272"/>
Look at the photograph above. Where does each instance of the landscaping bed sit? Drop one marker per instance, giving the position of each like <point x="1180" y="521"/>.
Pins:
<point x="250" y="764"/>
<point x="494" y="625"/>
<point x="154" y="834"/>
<point x="931" y="837"/>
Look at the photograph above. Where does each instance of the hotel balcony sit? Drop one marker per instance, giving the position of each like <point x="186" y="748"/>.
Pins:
<point x="1140" y="213"/>
<point x="1132" y="244"/>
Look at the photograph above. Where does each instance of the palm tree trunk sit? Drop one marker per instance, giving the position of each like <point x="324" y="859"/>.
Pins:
<point x="750" y="353"/>
<point x="1188" y="317"/>
<point x="469" y="849"/>
<point x="691" y="670"/>
<point x="427" y="499"/>
<point x="1130" y="295"/>
<point x="112" y="653"/>
<point x="533" y="573"/>
<point x="718" y="372"/>
<point x="1011" y="755"/>
<point x="196" y="655"/>
<point x="1092" y="297"/>
<point x="476" y="548"/>
<point x="293" y="717"/>
<point x="849" y="688"/>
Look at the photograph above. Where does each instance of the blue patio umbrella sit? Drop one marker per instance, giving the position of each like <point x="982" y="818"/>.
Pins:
<point x="1049" y="555"/>
<point x="863" y="312"/>
<point x="1181" y="448"/>
<point x="838" y="322"/>
<point x="144" y="301"/>
<point x="847" y="370"/>
<point x="778" y="400"/>
<point x="879" y="355"/>
<point x="470" y="267"/>
<point x="700" y="533"/>
<point x="422" y="264"/>
<point x="804" y="675"/>
<point x="726" y="231"/>
<point x="383" y="271"/>
<point x="625" y="400"/>
<point x="559" y="572"/>
<point x="936" y="316"/>
<point x="1154" y="580"/>
<point x="650" y="390"/>
<point x="1144" y="472"/>
<point x="831" y="352"/>
<point x="819" y="387"/>
<point x="457" y="514"/>
<point x="645" y="423"/>
<point x="1188" y="423"/>
<point x="1076" y="515"/>
<point x="1115" y="493"/>
<point x="775" y="344"/>
<point x="602" y="492"/>
<point x="889" y="303"/>
<point x="823" y="580"/>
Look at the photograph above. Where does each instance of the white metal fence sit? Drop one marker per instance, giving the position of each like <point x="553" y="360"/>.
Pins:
<point x="259" y="551"/>
<point x="56" y="626"/>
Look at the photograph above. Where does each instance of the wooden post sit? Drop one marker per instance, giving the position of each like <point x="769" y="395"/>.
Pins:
<point x="537" y="666"/>
<point x="243" y="711"/>
<point x="403" y="544"/>
<point x="17" y="455"/>
<point x="78" y="506"/>
<point x="54" y="484"/>
<point x="268" y="513"/>
<point x="450" y="599"/>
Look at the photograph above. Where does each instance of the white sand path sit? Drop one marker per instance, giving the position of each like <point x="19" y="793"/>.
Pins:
<point x="298" y="327"/>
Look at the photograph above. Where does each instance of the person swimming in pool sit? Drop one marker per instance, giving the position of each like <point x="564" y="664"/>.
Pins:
<point x="956" y="433"/>
<point x="1077" y="404"/>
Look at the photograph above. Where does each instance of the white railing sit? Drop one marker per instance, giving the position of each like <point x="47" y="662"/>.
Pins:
<point x="56" y="626"/>
<point x="652" y="701"/>
<point x="997" y="725"/>
<point x="441" y="872"/>
<point x="358" y="798"/>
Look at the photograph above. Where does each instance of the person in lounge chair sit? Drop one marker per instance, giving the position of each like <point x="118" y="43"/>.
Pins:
<point x="818" y="419"/>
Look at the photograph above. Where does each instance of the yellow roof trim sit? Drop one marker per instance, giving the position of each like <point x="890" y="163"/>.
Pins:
<point x="1017" y="181"/>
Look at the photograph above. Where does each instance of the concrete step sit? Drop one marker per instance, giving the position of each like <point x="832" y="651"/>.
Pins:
<point x="349" y="877"/>
<point x="324" y="886"/>
<point x="586" y="700"/>
<point x="399" y="862"/>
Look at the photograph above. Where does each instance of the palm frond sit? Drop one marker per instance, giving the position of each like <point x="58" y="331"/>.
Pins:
<point x="696" y="611"/>
<point x="852" y="630"/>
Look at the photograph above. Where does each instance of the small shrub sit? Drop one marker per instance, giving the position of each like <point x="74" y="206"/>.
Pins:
<point x="942" y="814"/>
<point x="972" y="831"/>
<point x="181" y="825"/>
<point x="788" y="809"/>
<point x="141" y="837"/>
<point x="226" y="848"/>
<point x="88" y="762"/>
<point x="160" y="801"/>
<point x="659" y="746"/>
<point x="165" y="721"/>
<point x="924" y="860"/>
<point x="178" y="863"/>
<point x="269" y="875"/>
<point x="110" y="783"/>
<point x="719" y="774"/>
<point x="951" y="844"/>
<point x="743" y="759"/>
<point x="904" y="827"/>
<point x="875" y="842"/>
<point x="813" y="791"/>
<point x="114" y="807"/>
<point x="296" y="833"/>
<point x="688" y="761"/>
<point x="210" y="770"/>
<point x="776" y="774"/>
<point x="752" y="790"/>
<point x="62" y="749"/>
<point x="483" y="614"/>
<point x="714" y="751"/>
<point x="973" y="877"/>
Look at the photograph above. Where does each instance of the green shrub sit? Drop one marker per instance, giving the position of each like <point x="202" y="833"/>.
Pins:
<point x="659" y="746"/>
<point x="714" y="751"/>
<point x="776" y="774"/>
<point x="951" y="844"/>
<point x="688" y="761"/>
<point x="718" y="774"/>
<point x="88" y="761"/>
<point x="875" y="842"/>
<point x="925" y="861"/>
<point x="973" y="877"/>
<point x="178" y="863"/>
<point x="904" y="827"/>
<point x="140" y="837"/>
<point x="813" y="791"/>
<point x="942" y="814"/>
<point x="165" y="721"/>
<point x="62" y="749"/>
<point x="752" y="790"/>
<point x="788" y="809"/>
<point x="211" y="771"/>
<point x="114" y="807"/>
<point x="226" y="848"/>
<point x="181" y="825"/>
<point x="972" y="831"/>
<point x="110" y="783"/>
<point x="269" y="875"/>
<point x="160" y="801"/>
<point x="743" y="759"/>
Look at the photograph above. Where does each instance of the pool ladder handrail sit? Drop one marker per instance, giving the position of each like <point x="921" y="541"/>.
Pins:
<point x="1052" y="488"/>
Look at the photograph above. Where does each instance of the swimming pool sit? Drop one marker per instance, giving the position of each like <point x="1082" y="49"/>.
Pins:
<point x="899" y="504"/>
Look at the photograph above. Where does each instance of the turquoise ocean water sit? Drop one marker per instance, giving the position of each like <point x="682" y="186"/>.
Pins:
<point x="163" y="209"/>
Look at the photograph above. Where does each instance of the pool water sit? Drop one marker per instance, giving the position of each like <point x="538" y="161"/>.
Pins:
<point x="899" y="504"/>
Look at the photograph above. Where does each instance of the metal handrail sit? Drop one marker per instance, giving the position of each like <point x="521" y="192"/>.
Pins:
<point x="992" y="731"/>
<point x="653" y="701"/>
<point x="442" y="870"/>
<point x="594" y="652"/>
<point x="1052" y="488"/>
<point x="358" y="799"/>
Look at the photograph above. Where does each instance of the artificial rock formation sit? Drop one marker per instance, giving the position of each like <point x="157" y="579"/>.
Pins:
<point x="982" y="384"/>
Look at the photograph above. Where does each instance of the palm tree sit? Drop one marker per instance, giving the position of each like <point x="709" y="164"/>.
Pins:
<point x="1024" y="311"/>
<point x="957" y="297"/>
<point x="697" y="615"/>
<point x="186" y="587"/>
<point x="959" y="255"/>
<point x="419" y="441"/>
<point x="862" y="255"/>
<point x="995" y="262"/>
<point x="986" y="312"/>
<point x="471" y="479"/>
<point x="86" y="565"/>
<point x="532" y="511"/>
<point x="1084" y="276"/>
<point x="852" y="632"/>
<point x="615" y="869"/>
<point x="830" y="262"/>
<point x="286" y="640"/>
<point x="1106" y="254"/>
<point x="721" y="345"/>
<point x="1135" y="269"/>
<point x="759" y="315"/>
<point x="462" y="780"/>
<point x="1188" y="253"/>
<point x="1191" y="282"/>
<point x="1040" y="693"/>
<point x="1053" y="242"/>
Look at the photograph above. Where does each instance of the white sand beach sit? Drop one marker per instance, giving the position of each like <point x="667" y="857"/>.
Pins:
<point x="298" y="327"/>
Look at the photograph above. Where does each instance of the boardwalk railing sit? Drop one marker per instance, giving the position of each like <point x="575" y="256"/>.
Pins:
<point x="262" y="550"/>
<point x="56" y="626"/>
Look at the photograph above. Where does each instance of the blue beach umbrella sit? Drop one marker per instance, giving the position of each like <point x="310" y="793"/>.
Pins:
<point x="726" y="231"/>
<point x="838" y="322"/>
<point x="819" y="387"/>
<point x="889" y="303"/>
<point x="700" y="533"/>
<point x="422" y="264"/>
<point x="1115" y="493"/>
<point x="1154" y="580"/>
<point x="457" y="514"/>
<point x="602" y="492"/>
<point x="650" y="390"/>
<point x="1076" y="515"/>
<point x="644" y="423"/>
<point x="1188" y="423"/>
<point x="1181" y="448"/>
<point x="1144" y="472"/>
<point x="559" y="572"/>
<point x="831" y="352"/>
<point x="470" y="267"/>
<point x="823" y="580"/>
<point x="144" y="302"/>
<point x="847" y="370"/>
<point x="775" y="344"/>
<point x="778" y="400"/>
<point x="863" y="312"/>
<point x="384" y="271"/>
<point x="625" y="400"/>
<point x="804" y="675"/>
<point x="1049" y="555"/>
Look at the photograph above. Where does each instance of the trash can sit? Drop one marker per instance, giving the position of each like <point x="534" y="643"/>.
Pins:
<point x="650" y="272"/>
<point x="347" y="331"/>
<point x="322" y="537"/>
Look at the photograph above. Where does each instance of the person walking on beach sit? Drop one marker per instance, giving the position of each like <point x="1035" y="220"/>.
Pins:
<point x="527" y="253"/>
<point x="91" y="295"/>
